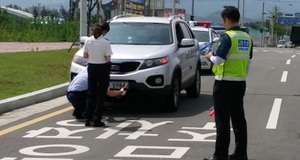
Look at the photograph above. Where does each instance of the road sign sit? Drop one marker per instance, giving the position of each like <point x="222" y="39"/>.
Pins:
<point x="288" y="20"/>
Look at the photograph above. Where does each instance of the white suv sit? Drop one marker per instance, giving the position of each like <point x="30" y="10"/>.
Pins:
<point x="157" y="57"/>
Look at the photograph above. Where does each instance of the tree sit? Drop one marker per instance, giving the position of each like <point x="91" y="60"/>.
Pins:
<point x="278" y="29"/>
<point x="44" y="12"/>
<point x="91" y="5"/>
<point x="53" y="14"/>
<point x="63" y="12"/>
<point x="35" y="12"/>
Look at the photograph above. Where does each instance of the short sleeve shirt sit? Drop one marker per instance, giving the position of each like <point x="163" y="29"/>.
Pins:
<point x="97" y="49"/>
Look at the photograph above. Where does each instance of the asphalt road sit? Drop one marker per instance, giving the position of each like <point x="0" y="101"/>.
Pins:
<point x="144" y="132"/>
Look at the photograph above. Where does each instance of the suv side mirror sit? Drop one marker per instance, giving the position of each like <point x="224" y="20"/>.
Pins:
<point x="215" y="40"/>
<point x="187" y="42"/>
<point x="82" y="39"/>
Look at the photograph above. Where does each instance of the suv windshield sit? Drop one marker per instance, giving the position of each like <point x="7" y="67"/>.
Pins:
<point x="139" y="33"/>
<point x="202" y="36"/>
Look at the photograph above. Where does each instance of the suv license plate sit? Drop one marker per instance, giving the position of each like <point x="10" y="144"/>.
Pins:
<point x="117" y="84"/>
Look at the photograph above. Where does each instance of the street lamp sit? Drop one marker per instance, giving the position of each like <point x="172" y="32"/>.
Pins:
<point x="192" y="16"/>
<point x="262" y="25"/>
<point x="243" y="13"/>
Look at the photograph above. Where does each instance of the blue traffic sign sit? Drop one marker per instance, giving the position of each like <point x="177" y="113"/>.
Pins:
<point x="288" y="20"/>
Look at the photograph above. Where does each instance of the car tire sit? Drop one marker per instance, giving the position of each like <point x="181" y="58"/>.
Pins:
<point x="194" y="90"/>
<point x="172" y="99"/>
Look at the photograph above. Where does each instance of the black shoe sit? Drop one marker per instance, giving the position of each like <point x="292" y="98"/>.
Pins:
<point x="79" y="117"/>
<point x="237" y="157"/>
<point x="98" y="124"/>
<point x="88" y="123"/>
<point x="215" y="158"/>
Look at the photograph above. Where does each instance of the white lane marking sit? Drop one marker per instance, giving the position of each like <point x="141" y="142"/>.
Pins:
<point x="284" y="76"/>
<point x="288" y="61"/>
<point x="273" y="118"/>
<point x="177" y="153"/>
<point x="293" y="56"/>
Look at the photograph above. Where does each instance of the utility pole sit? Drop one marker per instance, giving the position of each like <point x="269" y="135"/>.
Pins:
<point x="238" y="5"/>
<point x="173" y="7"/>
<point x="243" y="13"/>
<point x="192" y="16"/>
<point x="262" y="25"/>
<point x="124" y="6"/>
<point x="83" y="18"/>
<point x="153" y="9"/>
<point x="148" y="7"/>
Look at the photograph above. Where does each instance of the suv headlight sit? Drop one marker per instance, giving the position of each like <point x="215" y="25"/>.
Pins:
<point x="154" y="62"/>
<point x="80" y="60"/>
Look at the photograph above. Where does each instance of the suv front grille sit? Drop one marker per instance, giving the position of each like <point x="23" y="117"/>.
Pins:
<point x="124" y="67"/>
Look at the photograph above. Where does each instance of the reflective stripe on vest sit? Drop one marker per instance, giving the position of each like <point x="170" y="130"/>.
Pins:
<point x="234" y="68"/>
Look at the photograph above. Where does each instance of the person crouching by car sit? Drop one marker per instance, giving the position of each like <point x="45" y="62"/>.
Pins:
<point x="77" y="93"/>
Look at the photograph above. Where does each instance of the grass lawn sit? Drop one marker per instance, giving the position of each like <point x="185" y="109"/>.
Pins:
<point x="21" y="73"/>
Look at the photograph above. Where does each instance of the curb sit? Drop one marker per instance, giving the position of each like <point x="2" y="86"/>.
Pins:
<point x="31" y="98"/>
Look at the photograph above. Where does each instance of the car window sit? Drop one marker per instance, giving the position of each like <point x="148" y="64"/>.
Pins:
<point x="185" y="30"/>
<point x="215" y="35"/>
<point x="179" y="33"/>
<point x="201" y="36"/>
<point x="140" y="33"/>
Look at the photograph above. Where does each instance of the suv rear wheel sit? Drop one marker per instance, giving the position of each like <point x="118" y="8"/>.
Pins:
<point x="172" y="100"/>
<point x="194" y="90"/>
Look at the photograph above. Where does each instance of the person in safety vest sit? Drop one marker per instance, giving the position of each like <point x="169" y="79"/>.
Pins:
<point x="230" y="66"/>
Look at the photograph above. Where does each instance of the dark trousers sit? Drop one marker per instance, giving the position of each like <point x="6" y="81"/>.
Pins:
<point x="98" y="81"/>
<point x="229" y="104"/>
<point x="78" y="100"/>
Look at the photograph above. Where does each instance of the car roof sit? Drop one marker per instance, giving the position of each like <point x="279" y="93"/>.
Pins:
<point x="198" y="28"/>
<point x="142" y="19"/>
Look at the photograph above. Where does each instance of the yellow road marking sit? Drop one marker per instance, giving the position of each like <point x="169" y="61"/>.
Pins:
<point x="25" y="124"/>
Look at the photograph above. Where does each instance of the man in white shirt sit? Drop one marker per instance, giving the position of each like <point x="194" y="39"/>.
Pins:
<point x="77" y="93"/>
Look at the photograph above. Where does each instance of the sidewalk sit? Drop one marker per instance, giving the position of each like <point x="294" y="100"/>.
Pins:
<point x="10" y="47"/>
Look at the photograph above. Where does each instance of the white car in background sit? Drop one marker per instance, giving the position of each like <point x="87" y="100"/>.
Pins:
<point x="281" y="44"/>
<point x="207" y="39"/>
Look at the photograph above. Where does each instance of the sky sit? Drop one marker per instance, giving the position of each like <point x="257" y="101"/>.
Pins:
<point x="253" y="8"/>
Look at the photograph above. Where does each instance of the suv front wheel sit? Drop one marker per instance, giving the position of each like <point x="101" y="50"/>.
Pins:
<point x="172" y="100"/>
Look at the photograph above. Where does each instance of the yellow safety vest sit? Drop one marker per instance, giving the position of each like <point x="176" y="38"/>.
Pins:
<point x="234" y="68"/>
